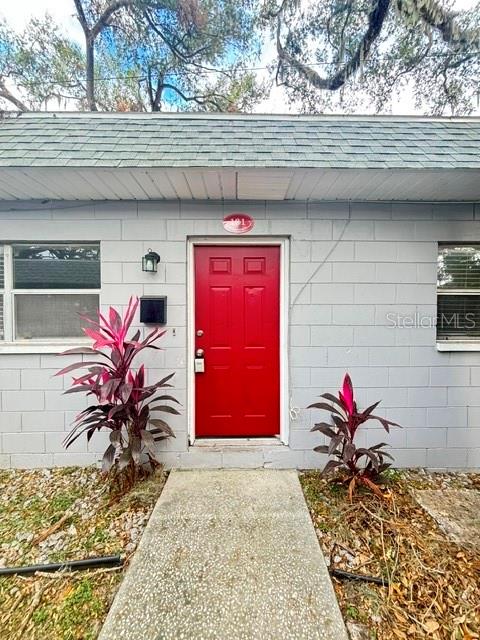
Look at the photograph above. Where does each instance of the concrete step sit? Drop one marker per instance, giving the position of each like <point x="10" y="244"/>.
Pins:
<point x="227" y="555"/>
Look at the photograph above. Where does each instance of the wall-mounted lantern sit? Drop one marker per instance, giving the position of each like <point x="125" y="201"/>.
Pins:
<point x="150" y="261"/>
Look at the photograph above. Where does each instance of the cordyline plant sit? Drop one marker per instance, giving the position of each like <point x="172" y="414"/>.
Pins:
<point x="363" y="465"/>
<point x="123" y="402"/>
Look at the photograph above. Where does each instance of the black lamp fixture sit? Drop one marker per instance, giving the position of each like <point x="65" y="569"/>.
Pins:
<point x="150" y="261"/>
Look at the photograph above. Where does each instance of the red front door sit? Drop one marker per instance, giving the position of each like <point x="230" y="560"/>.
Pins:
<point x="237" y="324"/>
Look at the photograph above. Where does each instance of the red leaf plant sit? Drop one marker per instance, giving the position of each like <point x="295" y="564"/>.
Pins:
<point x="123" y="402"/>
<point x="362" y="465"/>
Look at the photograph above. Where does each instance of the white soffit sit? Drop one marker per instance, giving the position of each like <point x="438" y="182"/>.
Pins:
<point x="238" y="184"/>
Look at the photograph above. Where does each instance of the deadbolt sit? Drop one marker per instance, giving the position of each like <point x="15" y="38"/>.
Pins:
<point x="199" y="333"/>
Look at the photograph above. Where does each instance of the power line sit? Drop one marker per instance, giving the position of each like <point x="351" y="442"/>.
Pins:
<point x="200" y="70"/>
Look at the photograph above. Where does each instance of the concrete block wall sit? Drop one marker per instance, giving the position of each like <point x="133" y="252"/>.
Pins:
<point x="354" y="268"/>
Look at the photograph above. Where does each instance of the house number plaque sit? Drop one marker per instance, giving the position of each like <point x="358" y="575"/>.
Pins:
<point x="238" y="223"/>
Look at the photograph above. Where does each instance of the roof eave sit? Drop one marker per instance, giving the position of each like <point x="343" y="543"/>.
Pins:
<point x="239" y="183"/>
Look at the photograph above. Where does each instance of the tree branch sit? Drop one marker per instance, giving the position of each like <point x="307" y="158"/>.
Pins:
<point x="275" y="14"/>
<point x="158" y="95"/>
<point x="91" y="35"/>
<point x="443" y="20"/>
<point x="409" y="67"/>
<point x="183" y="56"/>
<point x="201" y="100"/>
<point x="376" y="18"/>
<point x="103" y="19"/>
<point x="8" y="95"/>
<point x="341" y="52"/>
<point x="149" y="87"/>
<point x="463" y="60"/>
<point x="154" y="99"/>
<point x="81" y="17"/>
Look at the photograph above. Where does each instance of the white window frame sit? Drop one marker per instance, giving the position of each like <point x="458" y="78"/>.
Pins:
<point x="37" y="345"/>
<point x="462" y="344"/>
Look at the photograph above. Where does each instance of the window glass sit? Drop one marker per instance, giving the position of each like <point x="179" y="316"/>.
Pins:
<point x="458" y="317"/>
<point x="56" y="266"/>
<point x="458" y="287"/>
<point x="459" y="267"/>
<point x="52" y="315"/>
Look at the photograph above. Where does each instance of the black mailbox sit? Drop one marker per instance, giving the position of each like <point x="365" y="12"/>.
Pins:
<point x="153" y="309"/>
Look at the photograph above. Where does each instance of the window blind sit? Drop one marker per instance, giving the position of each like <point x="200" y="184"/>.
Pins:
<point x="458" y="287"/>
<point x="459" y="267"/>
<point x="458" y="317"/>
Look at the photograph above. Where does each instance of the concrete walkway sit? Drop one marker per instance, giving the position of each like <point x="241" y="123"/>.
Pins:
<point x="227" y="555"/>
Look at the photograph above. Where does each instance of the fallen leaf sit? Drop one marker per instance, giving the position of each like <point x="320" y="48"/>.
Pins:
<point x="431" y="626"/>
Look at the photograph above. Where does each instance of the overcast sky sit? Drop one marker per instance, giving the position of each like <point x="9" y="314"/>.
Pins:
<point x="18" y="12"/>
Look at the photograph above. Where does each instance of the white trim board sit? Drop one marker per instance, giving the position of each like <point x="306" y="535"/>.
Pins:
<point x="284" y="244"/>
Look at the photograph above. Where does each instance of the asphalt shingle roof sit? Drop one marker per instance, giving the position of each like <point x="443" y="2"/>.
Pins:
<point x="224" y="140"/>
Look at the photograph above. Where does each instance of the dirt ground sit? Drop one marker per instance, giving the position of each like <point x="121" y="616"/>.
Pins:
<point x="58" y="515"/>
<point x="431" y="578"/>
<point x="457" y="512"/>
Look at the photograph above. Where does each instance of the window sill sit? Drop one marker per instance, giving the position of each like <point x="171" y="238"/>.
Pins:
<point x="451" y="345"/>
<point x="33" y="347"/>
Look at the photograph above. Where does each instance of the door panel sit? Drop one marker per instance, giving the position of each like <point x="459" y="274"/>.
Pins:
<point x="237" y="306"/>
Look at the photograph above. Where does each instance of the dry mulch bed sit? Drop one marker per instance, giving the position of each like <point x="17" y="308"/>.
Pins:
<point x="434" y="583"/>
<point x="55" y="516"/>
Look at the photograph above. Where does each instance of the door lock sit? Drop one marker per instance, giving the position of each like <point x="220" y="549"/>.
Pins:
<point x="199" y="333"/>
<point x="199" y="363"/>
